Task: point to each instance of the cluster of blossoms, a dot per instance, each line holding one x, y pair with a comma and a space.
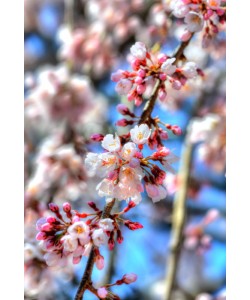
68, 237
55, 95
195, 236
124, 167
60, 172
147, 69
199, 14
81, 48
159, 130
211, 131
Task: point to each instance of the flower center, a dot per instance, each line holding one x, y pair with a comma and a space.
139, 136
79, 230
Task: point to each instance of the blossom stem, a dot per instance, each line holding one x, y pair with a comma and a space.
149, 106
86, 278
179, 53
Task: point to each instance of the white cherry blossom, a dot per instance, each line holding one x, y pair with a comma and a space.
189, 69
111, 143
105, 188
156, 192
79, 230
138, 50
123, 86
99, 237
194, 21
128, 151
107, 162
140, 134
106, 224
69, 243
168, 67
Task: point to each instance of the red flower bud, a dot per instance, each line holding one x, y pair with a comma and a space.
97, 137
53, 207
133, 225
66, 207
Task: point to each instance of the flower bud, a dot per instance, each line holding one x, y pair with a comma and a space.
129, 278
176, 130
99, 261
102, 293
53, 207
66, 207
162, 58
97, 137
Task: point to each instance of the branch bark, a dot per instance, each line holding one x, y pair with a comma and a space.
179, 217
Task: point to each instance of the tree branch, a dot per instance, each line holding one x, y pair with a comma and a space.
179, 217
86, 278
148, 108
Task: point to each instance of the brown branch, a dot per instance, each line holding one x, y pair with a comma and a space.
86, 278
149, 106
179, 53
179, 217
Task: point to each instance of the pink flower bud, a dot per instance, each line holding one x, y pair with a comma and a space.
111, 244
141, 89
41, 236
40, 222
129, 278
46, 227
123, 109
116, 76
186, 35
141, 73
162, 151
176, 130
99, 261
66, 207
93, 206
138, 80
102, 292
208, 14
131, 95
133, 225
176, 85
53, 207
75, 219
211, 216
124, 122
134, 162
130, 205
97, 137
138, 154
164, 135
119, 236
51, 220
76, 260
163, 76
113, 175
162, 58
49, 244
138, 100
135, 64
162, 94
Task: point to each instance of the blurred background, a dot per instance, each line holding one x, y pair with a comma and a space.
71, 48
